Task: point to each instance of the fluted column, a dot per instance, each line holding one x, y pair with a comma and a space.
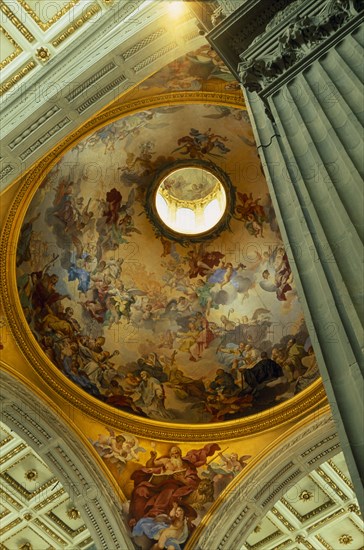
302, 80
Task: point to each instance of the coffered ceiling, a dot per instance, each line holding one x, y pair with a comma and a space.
55, 75
36, 511
33, 32
318, 513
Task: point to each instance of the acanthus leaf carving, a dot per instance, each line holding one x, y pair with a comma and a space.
298, 39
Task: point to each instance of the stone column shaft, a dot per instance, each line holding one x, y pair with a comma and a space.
312, 154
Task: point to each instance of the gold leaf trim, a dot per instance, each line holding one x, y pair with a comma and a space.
45, 26
78, 23
325, 520
13, 54
66, 528
5, 496
16, 22
12, 453
49, 531
49, 499
21, 489
10, 526
341, 474
18, 76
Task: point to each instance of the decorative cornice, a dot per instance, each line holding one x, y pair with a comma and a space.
295, 41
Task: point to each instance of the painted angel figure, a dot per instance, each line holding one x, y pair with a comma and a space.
118, 449
223, 471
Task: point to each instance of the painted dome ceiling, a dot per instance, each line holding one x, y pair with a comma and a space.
167, 329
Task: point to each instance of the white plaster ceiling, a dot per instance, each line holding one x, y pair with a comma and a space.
36, 510
63, 61
318, 513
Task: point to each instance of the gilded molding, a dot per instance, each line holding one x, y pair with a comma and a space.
340, 474
5, 441
49, 499
45, 26
263, 542
49, 532
310, 400
4, 513
331, 484
305, 542
14, 54
72, 532
282, 519
12, 453
16, 77
16, 22
21, 489
10, 526
356, 526
5, 496
77, 24
324, 543
309, 515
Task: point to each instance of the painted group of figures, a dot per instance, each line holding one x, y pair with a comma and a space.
141, 388
90, 269
199, 281
171, 492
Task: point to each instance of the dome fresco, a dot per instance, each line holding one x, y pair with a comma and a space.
172, 331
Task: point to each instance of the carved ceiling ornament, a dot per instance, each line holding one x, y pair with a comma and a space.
297, 39
73, 513
345, 539
43, 54
36, 421
305, 496
31, 475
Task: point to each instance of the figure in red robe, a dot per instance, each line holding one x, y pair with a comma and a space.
166, 480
